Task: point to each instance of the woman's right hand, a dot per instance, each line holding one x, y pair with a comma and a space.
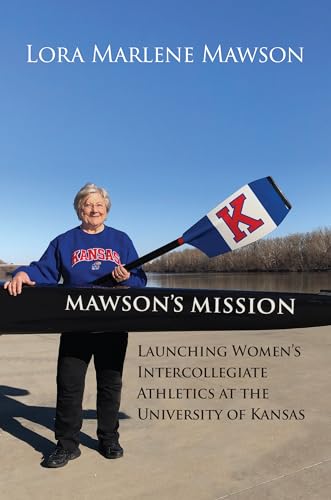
14, 286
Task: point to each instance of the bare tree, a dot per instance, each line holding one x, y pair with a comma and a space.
296, 252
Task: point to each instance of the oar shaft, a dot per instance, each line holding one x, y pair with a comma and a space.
153, 255
145, 258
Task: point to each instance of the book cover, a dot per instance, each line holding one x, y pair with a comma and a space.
171, 106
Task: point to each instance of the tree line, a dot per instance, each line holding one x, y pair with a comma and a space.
5, 270
297, 252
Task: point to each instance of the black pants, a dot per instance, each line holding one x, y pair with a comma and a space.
75, 353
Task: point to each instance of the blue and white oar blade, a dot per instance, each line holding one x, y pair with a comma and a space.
249, 214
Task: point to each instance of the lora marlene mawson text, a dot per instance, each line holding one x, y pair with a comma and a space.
218, 54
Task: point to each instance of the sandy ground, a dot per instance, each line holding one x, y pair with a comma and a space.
175, 459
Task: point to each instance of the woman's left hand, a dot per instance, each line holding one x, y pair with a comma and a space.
120, 274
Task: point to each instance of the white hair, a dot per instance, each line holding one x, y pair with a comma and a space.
85, 191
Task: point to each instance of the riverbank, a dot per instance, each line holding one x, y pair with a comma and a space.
6, 270
295, 252
179, 456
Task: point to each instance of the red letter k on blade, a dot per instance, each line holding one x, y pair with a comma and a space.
237, 216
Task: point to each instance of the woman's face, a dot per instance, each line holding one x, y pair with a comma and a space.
93, 211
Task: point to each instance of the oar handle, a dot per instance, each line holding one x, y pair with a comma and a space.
142, 260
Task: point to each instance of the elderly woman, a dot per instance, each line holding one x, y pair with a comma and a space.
80, 256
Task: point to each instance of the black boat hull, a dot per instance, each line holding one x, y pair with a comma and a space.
57, 309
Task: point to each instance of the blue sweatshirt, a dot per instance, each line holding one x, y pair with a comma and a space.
80, 258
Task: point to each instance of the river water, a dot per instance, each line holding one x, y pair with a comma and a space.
282, 282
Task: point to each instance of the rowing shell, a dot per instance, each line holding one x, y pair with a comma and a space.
54, 309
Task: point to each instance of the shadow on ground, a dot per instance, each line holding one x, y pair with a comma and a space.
11, 409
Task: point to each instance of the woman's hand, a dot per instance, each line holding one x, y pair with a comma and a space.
15, 285
120, 274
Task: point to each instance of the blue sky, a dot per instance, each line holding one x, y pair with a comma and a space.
169, 141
